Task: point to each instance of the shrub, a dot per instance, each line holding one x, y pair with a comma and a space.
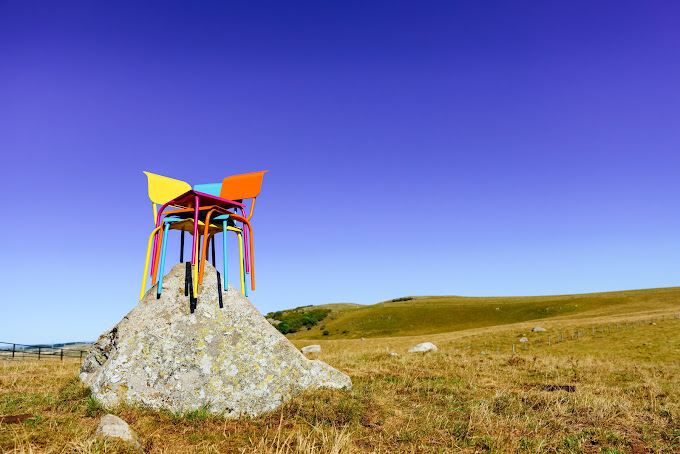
295, 319
406, 298
326, 333
283, 327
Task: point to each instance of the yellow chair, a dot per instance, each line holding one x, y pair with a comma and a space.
163, 189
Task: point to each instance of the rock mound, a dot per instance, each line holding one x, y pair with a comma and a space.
229, 360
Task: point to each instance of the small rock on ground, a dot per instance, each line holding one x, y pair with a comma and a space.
523, 339
539, 329
394, 354
311, 349
112, 426
424, 347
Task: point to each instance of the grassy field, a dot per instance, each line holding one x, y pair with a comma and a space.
614, 388
440, 314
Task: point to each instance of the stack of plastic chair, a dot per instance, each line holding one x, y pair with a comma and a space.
163, 189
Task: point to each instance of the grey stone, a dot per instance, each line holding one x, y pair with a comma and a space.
228, 360
394, 354
311, 349
424, 347
273, 321
112, 427
539, 329
523, 339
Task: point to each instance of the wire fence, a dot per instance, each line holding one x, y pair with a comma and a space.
578, 333
9, 351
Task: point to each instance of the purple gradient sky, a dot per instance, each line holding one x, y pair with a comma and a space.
469, 148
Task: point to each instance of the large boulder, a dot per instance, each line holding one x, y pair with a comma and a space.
229, 360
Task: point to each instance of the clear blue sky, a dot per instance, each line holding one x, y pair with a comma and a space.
468, 148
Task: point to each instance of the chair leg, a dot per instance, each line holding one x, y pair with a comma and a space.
212, 244
187, 279
219, 288
157, 256
192, 298
181, 248
240, 255
224, 253
196, 266
146, 262
245, 283
161, 267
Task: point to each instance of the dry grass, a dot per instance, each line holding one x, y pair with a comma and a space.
626, 398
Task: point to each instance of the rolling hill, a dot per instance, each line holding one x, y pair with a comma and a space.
420, 315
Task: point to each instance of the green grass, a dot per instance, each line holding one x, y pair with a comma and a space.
439, 314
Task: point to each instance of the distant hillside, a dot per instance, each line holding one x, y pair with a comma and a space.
419, 315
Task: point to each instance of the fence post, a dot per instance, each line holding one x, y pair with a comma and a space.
62, 353
14, 347
548, 340
498, 350
38, 353
81, 354
513, 349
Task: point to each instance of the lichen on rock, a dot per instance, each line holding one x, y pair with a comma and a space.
229, 360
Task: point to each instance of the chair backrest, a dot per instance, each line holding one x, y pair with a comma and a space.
243, 186
163, 189
209, 188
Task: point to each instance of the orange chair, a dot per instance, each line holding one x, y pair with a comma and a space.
243, 186
237, 188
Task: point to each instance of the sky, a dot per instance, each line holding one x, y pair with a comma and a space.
495, 148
